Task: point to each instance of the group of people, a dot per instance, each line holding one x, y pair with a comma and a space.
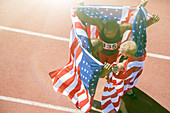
110, 32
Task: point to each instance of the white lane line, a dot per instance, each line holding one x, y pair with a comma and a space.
158, 56
33, 103
66, 39
33, 33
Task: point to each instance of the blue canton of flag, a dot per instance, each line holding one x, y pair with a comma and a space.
85, 42
90, 71
102, 13
139, 32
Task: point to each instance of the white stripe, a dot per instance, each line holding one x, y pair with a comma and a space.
33, 103
63, 79
135, 64
108, 108
72, 86
104, 101
34, 33
158, 56
72, 37
81, 32
105, 93
66, 39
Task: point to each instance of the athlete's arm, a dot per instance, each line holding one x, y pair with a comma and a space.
155, 18
93, 21
124, 27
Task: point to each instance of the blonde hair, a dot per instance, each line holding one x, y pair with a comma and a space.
130, 47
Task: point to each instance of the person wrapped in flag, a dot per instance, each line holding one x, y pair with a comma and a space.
119, 83
113, 26
110, 26
78, 79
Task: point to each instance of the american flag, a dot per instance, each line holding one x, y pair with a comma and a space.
118, 84
78, 79
122, 14
139, 32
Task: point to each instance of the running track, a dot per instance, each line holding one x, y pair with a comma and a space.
34, 38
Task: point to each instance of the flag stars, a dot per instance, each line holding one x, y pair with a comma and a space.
84, 70
111, 13
116, 10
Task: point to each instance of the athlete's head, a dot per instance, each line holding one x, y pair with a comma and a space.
128, 48
111, 28
96, 45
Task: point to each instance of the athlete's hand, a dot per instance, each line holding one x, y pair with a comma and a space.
106, 70
143, 3
155, 18
80, 3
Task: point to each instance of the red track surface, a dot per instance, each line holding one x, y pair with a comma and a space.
26, 60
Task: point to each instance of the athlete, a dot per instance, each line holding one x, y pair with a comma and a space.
110, 33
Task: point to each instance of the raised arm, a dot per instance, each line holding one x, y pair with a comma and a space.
85, 18
155, 18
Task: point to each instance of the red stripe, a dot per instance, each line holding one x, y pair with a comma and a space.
112, 96
127, 73
66, 84
88, 31
76, 89
127, 81
131, 59
79, 25
78, 52
116, 104
119, 90
112, 111
74, 14
54, 73
106, 104
82, 92
73, 46
63, 72
139, 73
108, 89
85, 101
97, 33
128, 17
